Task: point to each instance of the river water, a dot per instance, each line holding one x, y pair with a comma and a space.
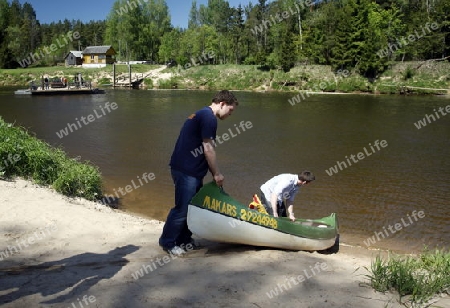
387, 180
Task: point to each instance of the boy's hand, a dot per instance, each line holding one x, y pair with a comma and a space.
292, 217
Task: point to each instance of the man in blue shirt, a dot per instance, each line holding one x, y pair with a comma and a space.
191, 159
280, 191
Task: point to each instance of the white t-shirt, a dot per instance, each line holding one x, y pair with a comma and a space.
285, 186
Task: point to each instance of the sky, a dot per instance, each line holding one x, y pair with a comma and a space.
87, 10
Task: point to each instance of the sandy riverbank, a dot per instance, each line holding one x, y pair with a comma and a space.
75, 253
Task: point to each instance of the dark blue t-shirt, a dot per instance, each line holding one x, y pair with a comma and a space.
188, 156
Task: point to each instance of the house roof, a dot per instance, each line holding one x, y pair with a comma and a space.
96, 49
76, 53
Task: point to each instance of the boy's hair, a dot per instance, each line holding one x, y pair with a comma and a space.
307, 176
225, 96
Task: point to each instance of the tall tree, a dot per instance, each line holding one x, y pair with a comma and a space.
155, 23
30, 28
119, 29
262, 17
250, 35
137, 28
4, 22
170, 46
216, 13
281, 34
442, 18
194, 18
236, 29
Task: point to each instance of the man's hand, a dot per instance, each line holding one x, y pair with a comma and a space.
291, 216
218, 178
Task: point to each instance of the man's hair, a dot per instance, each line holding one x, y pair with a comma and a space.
307, 176
225, 96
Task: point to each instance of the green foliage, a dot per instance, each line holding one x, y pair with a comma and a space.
25, 156
148, 83
420, 277
78, 179
171, 83
359, 35
136, 30
104, 80
170, 46
354, 84
409, 73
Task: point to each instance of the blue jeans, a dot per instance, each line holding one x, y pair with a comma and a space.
176, 231
281, 206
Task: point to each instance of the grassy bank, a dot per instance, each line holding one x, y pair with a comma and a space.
402, 78
25, 156
418, 280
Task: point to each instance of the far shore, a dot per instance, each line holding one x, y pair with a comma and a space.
429, 79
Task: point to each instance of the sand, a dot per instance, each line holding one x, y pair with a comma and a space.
61, 252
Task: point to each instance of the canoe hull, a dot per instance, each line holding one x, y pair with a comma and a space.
216, 216
219, 228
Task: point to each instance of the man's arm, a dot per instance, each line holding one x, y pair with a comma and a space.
210, 155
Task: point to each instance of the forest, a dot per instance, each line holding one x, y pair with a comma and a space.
359, 35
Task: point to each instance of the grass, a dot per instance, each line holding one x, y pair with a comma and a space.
419, 278
25, 156
401, 76
171, 83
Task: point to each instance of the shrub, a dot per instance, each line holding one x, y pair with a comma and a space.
23, 155
422, 277
104, 81
408, 73
171, 83
148, 83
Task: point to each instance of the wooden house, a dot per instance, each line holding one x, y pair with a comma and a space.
74, 57
98, 56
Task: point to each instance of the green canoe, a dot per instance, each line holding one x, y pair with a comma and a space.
216, 216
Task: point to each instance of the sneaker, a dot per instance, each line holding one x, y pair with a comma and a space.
175, 250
